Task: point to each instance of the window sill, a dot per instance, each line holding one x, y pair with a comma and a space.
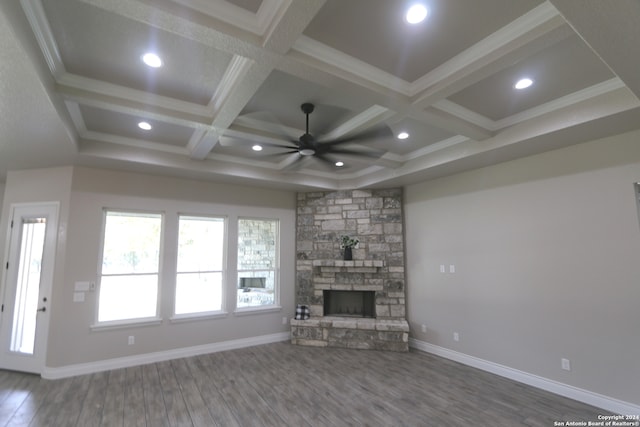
247, 311
194, 317
122, 324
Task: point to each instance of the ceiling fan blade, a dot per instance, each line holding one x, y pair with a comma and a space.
296, 164
376, 133
270, 144
282, 153
324, 159
247, 140
370, 153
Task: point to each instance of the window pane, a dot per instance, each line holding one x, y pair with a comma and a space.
128, 297
131, 243
198, 292
257, 244
200, 244
130, 266
257, 262
23, 332
256, 288
200, 260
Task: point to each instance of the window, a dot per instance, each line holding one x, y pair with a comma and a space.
130, 266
257, 262
200, 260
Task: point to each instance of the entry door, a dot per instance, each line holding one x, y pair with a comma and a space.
26, 293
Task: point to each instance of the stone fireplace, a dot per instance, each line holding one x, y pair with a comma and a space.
358, 303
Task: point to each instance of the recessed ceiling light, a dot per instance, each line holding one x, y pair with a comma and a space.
144, 126
339, 164
257, 147
152, 60
416, 14
523, 83
403, 135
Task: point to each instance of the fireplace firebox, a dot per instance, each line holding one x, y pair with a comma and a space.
349, 303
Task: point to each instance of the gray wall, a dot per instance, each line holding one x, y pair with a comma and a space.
84, 193
546, 252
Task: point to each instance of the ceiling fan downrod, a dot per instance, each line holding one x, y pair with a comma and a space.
306, 140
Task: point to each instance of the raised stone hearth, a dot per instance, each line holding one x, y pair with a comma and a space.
370, 288
364, 333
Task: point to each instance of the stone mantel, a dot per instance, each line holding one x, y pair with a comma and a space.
353, 266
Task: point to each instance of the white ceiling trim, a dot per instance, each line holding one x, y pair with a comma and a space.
233, 77
133, 142
369, 117
604, 105
465, 114
260, 126
536, 21
76, 116
260, 23
202, 142
227, 12
40, 26
210, 167
269, 15
548, 107
359, 70
432, 148
594, 91
68, 84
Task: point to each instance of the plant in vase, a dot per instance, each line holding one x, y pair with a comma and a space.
347, 244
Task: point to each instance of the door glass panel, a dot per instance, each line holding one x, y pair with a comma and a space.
23, 332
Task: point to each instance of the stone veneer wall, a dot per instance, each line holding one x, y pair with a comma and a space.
375, 218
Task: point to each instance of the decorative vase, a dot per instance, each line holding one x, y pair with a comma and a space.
348, 256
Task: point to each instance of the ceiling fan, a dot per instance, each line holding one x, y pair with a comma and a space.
307, 146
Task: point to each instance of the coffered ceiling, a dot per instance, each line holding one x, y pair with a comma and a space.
235, 73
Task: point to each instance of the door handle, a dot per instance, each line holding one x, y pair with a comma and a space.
43, 309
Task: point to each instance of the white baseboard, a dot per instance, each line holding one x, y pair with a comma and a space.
52, 373
598, 400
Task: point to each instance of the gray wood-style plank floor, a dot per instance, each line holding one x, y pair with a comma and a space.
285, 385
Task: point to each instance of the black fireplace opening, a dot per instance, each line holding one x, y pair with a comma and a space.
350, 303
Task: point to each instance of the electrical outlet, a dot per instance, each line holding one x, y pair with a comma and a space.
565, 364
442, 268
424, 329
452, 268
456, 336
131, 340
284, 320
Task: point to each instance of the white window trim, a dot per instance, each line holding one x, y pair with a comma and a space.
192, 317
258, 309
128, 323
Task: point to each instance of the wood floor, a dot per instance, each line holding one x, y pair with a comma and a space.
285, 385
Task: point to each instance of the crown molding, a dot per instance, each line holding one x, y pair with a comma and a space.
34, 12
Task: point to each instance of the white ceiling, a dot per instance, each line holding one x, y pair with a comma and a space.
73, 87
